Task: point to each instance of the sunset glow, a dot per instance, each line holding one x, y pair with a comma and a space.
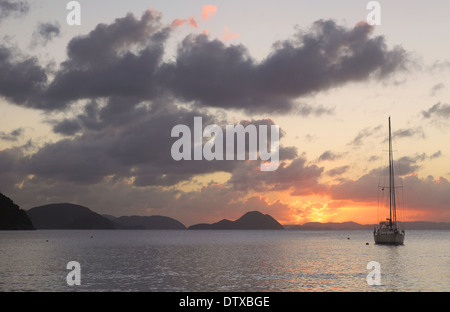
87, 110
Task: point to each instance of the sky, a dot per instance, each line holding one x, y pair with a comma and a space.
86, 111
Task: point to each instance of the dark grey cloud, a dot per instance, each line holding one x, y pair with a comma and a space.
107, 43
125, 59
13, 8
214, 74
129, 140
45, 32
67, 127
121, 134
140, 150
296, 176
11, 171
22, 79
119, 59
115, 60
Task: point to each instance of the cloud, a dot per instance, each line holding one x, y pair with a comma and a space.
435, 155
429, 194
329, 155
13, 8
116, 59
11, 171
179, 22
129, 140
66, 127
409, 132
419, 193
21, 78
134, 142
128, 97
229, 35
209, 11
438, 66
337, 171
108, 43
125, 59
45, 33
438, 110
306, 110
12, 136
295, 176
436, 88
363, 134
213, 74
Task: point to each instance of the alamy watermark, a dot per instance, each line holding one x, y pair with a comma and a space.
258, 143
74, 276
74, 16
374, 16
374, 276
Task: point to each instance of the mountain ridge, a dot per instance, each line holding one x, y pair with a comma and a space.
351, 225
73, 216
68, 216
252, 220
154, 222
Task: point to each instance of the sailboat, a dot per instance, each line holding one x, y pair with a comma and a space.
388, 232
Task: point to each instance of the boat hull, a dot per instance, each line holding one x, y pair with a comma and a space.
390, 238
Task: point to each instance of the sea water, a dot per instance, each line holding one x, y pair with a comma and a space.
213, 260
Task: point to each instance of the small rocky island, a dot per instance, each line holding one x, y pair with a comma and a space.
253, 220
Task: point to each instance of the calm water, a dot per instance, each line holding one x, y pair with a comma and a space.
221, 261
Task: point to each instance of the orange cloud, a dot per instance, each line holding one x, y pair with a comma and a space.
179, 22
229, 35
209, 11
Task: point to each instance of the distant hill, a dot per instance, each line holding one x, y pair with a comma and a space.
253, 220
12, 217
71, 216
150, 223
317, 226
68, 216
425, 225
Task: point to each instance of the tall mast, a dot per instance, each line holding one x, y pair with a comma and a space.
392, 210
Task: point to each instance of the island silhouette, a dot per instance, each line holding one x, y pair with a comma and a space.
12, 217
72, 216
253, 220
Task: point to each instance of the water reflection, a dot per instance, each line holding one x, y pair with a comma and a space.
220, 261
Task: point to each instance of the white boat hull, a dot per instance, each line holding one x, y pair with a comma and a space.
389, 238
